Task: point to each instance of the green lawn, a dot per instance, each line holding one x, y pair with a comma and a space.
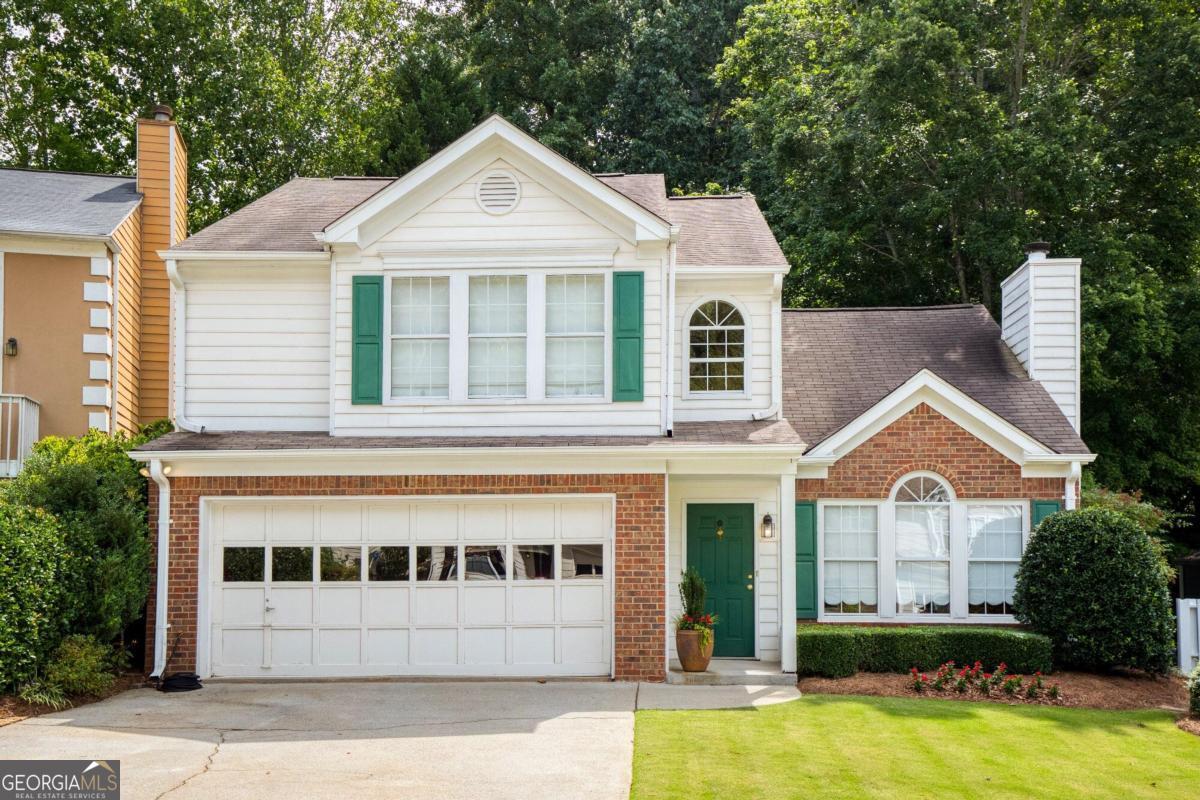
856, 747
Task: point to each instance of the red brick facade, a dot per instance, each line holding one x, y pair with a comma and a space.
641, 608
923, 439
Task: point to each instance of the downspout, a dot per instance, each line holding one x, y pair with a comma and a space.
178, 342
773, 411
1071, 485
669, 356
160, 597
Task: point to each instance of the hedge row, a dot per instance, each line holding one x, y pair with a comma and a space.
837, 651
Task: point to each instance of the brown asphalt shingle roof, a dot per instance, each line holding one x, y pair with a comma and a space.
687, 433
649, 190
839, 362
723, 231
286, 218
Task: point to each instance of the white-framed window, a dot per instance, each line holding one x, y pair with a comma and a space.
994, 546
850, 535
575, 335
497, 329
716, 357
922, 508
420, 337
933, 556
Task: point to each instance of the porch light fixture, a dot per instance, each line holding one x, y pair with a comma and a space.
720, 529
10, 346
768, 527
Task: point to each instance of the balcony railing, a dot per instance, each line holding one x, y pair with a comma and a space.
18, 431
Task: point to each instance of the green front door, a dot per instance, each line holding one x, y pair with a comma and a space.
720, 545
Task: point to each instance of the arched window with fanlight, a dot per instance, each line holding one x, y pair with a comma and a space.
922, 545
716, 336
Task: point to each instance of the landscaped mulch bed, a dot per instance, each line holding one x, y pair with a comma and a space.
14, 709
1117, 692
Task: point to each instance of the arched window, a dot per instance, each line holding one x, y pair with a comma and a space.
922, 545
716, 348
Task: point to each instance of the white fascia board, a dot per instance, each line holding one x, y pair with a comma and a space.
927, 387
755, 460
494, 130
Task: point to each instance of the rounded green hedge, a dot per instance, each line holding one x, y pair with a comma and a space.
838, 651
33, 599
1096, 584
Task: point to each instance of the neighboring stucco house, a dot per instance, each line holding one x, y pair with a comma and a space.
84, 316
477, 419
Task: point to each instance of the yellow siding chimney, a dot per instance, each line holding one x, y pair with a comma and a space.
162, 180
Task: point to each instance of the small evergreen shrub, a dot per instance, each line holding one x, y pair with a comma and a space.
81, 665
33, 598
837, 651
1194, 692
1096, 584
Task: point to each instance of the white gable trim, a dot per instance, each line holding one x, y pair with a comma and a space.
926, 387
495, 134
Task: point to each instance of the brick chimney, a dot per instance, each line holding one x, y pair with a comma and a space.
162, 180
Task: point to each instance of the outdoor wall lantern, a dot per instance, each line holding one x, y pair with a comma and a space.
720, 529
10, 346
768, 527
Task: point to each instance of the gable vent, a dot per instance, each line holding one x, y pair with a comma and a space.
498, 192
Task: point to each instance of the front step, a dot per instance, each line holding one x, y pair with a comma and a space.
732, 672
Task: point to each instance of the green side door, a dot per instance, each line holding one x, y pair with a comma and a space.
726, 562
806, 560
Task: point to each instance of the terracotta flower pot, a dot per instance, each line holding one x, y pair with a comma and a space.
691, 656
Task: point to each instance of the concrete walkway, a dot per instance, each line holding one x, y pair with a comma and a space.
367, 740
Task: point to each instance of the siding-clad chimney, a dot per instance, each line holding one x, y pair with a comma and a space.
162, 180
1040, 321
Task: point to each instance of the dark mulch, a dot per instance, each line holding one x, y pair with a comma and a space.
14, 709
1118, 691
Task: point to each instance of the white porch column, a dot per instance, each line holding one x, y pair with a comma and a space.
787, 572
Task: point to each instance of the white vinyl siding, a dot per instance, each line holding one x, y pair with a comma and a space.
256, 351
542, 218
752, 294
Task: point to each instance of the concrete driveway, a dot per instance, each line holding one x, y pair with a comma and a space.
361, 740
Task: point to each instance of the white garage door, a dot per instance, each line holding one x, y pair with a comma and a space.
404, 587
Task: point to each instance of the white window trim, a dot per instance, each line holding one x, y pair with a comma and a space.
535, 340
952, 547
886, 555
685, 325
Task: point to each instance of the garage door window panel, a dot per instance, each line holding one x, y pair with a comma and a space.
386, 563
533, 562
484, 563
244, 564
341, 564
438, 563
292, 564
582, 561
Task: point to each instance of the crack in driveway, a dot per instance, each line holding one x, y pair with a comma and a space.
208, 762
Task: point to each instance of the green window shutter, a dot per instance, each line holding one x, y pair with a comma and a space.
806, 560
366, 355
1043, 509
628, 336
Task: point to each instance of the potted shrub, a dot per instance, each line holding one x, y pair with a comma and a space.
694, 628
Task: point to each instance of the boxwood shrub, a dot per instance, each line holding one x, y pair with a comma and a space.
837, 651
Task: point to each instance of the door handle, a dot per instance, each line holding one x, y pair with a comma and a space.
750, 586
750, 576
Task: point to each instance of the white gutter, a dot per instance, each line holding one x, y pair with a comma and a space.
160, 602
669, 357
178, 323
244, 255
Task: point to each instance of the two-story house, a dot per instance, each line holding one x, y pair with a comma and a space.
477, 419
84, 295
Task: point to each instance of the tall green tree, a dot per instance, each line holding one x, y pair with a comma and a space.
905, 149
